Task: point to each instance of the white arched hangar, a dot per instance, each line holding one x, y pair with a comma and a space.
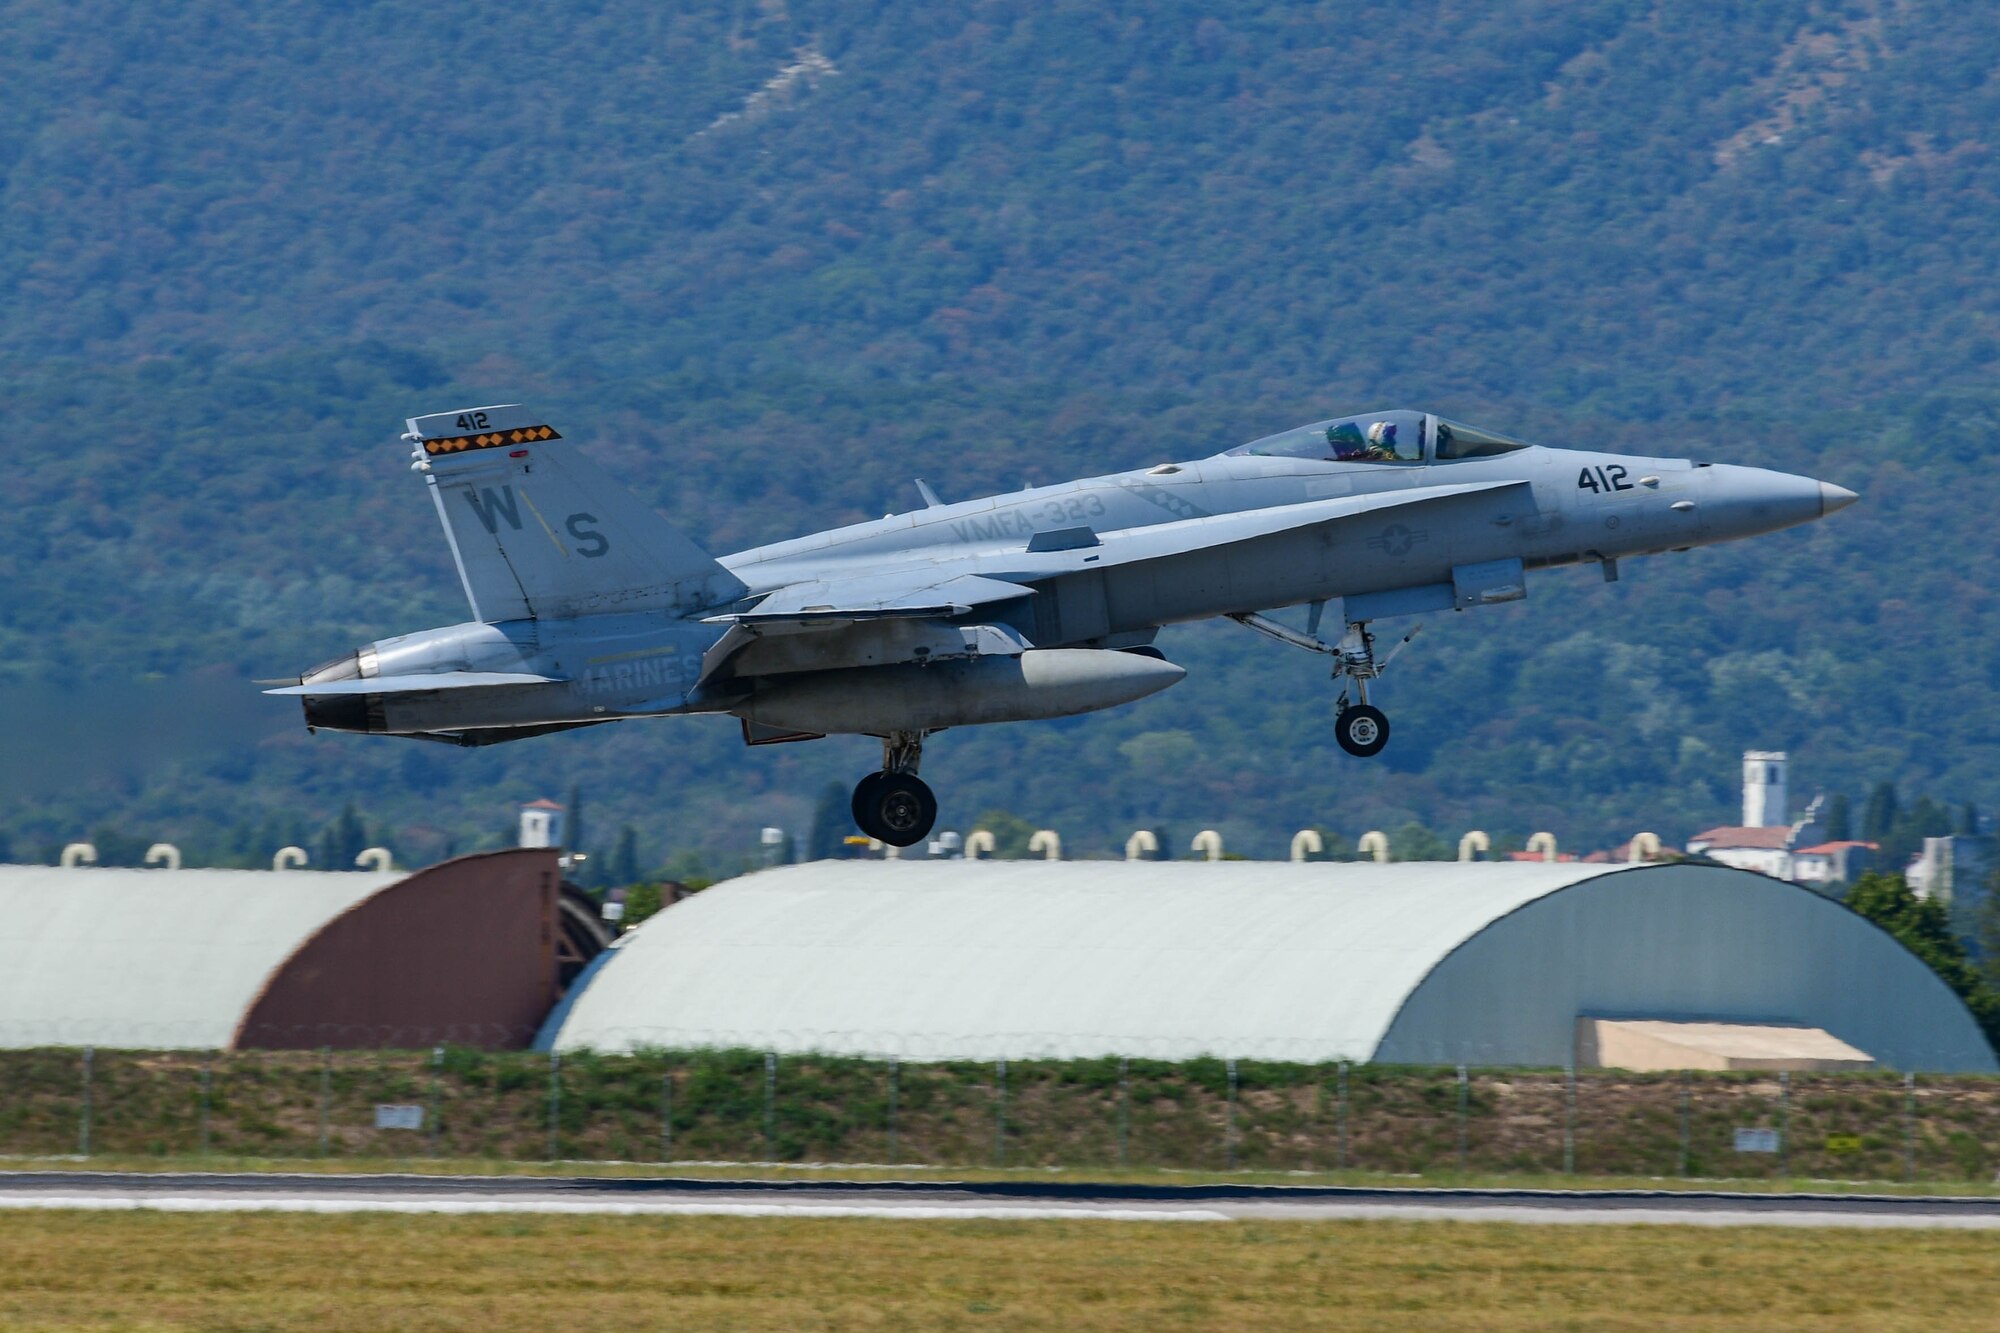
1653, 966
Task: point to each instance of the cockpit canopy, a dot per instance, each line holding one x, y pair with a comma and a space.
1397, 436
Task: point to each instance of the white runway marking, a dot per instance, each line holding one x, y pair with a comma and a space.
169, 1203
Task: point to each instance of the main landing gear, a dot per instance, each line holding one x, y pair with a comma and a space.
1360, 728
895, 805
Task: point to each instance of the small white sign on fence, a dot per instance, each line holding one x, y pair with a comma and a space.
399, 1117
1756, 1140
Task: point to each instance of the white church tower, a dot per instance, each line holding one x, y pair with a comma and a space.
1764, 789
542, 824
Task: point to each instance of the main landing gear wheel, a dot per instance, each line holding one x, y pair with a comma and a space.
894, 805
896, 808
1362, 730
864, 800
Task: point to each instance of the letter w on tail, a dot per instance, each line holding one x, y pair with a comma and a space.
492, 506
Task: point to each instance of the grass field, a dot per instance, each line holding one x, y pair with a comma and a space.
241, 1272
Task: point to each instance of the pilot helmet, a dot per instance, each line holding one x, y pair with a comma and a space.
1382, 432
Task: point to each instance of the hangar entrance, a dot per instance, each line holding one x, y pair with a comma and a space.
1644, 1045
581, 935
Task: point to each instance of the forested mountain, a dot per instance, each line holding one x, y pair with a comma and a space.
772, 260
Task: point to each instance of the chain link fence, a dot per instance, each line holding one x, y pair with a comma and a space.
1208, 1114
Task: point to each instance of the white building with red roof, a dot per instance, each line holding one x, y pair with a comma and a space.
1765, 850
1826, 864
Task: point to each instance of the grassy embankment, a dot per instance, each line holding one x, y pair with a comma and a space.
162, 1272
1511, 1126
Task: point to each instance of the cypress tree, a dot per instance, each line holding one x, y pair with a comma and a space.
832, 818
624, 866
573, 836
1878, 817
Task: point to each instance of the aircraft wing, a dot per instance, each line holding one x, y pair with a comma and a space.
862, 603
440, 680
915, 594
1133, 545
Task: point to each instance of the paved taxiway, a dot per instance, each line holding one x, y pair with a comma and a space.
928, 1199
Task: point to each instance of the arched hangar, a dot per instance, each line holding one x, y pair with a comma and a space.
1485, 964
471, 951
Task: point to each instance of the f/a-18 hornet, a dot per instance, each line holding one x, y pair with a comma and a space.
589, 608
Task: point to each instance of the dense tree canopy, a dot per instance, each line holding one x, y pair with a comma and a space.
772, 260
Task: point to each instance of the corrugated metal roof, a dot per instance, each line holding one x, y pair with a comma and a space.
152, 958
969, 959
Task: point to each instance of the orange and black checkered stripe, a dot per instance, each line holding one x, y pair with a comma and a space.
458, 444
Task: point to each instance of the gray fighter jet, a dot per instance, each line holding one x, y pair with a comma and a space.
589, 608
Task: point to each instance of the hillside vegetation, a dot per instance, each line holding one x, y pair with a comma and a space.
771, 261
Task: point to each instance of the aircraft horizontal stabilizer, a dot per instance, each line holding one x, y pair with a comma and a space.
437, 680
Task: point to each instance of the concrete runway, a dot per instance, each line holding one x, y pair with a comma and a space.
1003, 1200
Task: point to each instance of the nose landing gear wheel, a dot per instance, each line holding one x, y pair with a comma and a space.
1362, 730
896, 808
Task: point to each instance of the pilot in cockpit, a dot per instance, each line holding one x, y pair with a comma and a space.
1381, 441
1344, 438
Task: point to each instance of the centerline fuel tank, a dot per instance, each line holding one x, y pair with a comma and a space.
961, 692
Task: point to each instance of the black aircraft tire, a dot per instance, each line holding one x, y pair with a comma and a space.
864, 798
895, 808
1362, 730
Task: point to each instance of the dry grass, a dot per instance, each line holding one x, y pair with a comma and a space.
243, 1272
1082, 1115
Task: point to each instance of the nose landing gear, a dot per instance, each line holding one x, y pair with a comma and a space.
895, 806
1360, 728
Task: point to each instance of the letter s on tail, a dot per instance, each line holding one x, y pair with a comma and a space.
537, 530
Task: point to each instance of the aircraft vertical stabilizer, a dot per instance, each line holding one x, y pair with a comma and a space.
537, 530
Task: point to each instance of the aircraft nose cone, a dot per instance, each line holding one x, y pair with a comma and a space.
1832, 497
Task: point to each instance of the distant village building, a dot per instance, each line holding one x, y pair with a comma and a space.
1766, 850
1949, 868
542, 824
1764, 789
1826, 864
1770, 842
